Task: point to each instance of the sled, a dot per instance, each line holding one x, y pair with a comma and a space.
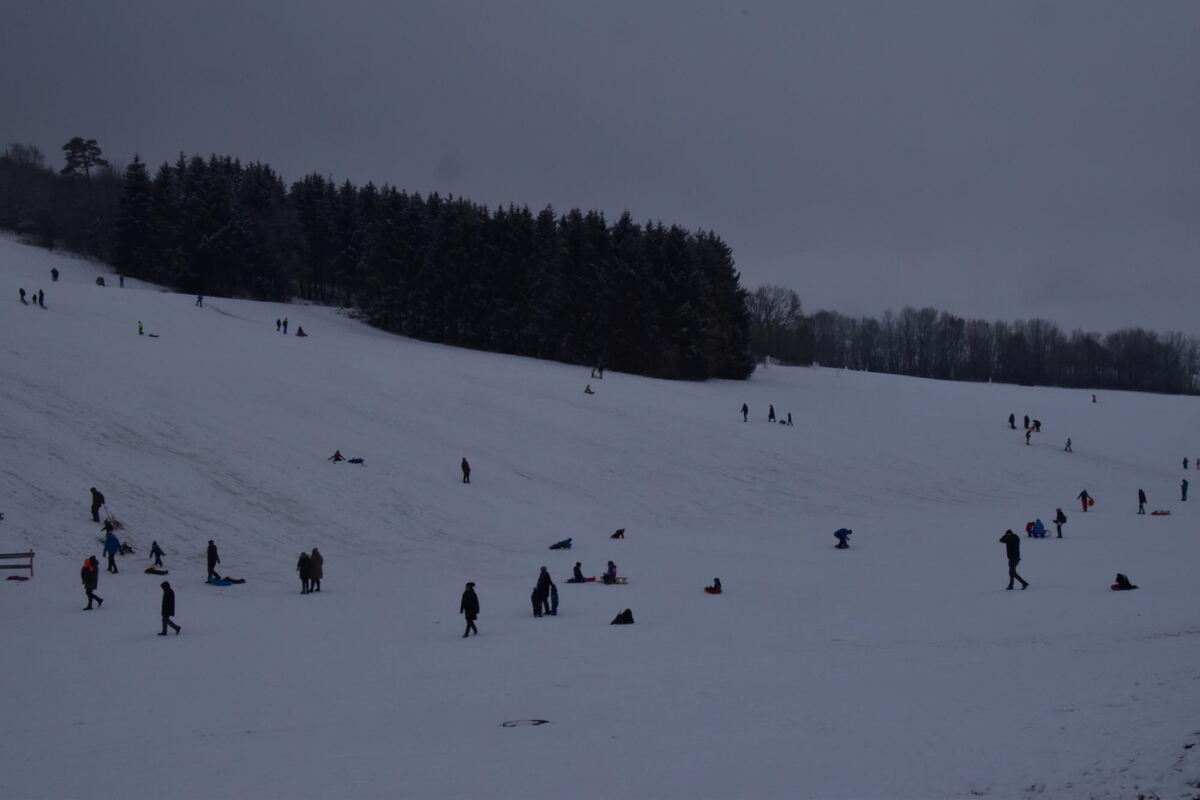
585, 580
1091, 502
620, 580
355, 461
116, 523
152, 335
17, 578
712, 590
1159, 513
1116, 587
225, 581
155, 571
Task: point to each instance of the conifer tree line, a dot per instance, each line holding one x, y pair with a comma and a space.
650, 299
929, 343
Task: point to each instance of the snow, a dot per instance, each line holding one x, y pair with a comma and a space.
900, 668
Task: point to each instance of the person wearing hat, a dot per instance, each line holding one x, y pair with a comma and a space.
168, 609
469, 608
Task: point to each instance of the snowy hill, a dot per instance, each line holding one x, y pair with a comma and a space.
899, 668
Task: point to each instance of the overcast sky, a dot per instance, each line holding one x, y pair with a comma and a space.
1004, 160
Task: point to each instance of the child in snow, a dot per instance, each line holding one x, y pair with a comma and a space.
565, 544
842, 535
610, 574
715, 588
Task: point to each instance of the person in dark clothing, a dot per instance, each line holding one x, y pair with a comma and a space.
1084, 498
1068, 447
771, 413
41, 296
278, 324
466, 470
336, 457
1037, 426
1059, 519
565, 544
1026, 422
842, 535
304, 567
1123, 584
469, 608
316, 566
54, 273
715, 588
21, 292
1028, 433
168, 609
156, 553
1185, 463
577, 573
1183, 490
745, 412
1141, 501
112, 546
213, 560
553, 600
200, 300
97, 502
544, 585
89, 574
789, 422
1012, 543
624, 618
619, 533
1012, 421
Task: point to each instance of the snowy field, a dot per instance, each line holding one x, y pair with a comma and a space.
900, 668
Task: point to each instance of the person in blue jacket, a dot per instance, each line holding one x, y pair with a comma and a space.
1039, 530
565, 544
842, 535
112, 546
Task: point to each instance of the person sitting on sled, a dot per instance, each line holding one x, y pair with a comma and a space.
610, 574
577, 574
715, 588
565, 544
336, 457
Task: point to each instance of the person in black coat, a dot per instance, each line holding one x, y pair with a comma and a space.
97, 502
771, 413
469, 608
1012, 544
304, 567
1012, 421
89, 575
168, 609
1141, 501
1059, 519
745, 412
213, 560
466, 470
544, 584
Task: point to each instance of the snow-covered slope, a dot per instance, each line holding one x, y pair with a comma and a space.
898, 668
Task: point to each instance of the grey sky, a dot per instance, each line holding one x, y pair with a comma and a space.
996, 159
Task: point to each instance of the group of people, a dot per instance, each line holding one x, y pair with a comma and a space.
38, 298
770, 415
311, 567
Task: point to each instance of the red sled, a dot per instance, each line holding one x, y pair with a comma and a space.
711, 590
1159, 513
1091, 502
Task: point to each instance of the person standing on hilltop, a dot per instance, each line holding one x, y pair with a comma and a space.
1141, 501
1012, 544
466, 470
745, 412
97, 502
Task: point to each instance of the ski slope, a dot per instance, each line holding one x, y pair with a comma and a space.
900, 668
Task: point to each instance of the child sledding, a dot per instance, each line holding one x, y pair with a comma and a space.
577, 575
565, 544
1123, 584
610, 575
715, 588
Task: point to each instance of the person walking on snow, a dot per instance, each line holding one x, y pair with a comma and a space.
213, 560
745, 412
141, 330
790, 418
1026, 422
1185, 462
156, 553
1183, 490
97, 502
22, 294
1028, 432
168, 609
1141, 501
1012, 544
200, 300
54, 273
1059, 519
112, 546
1068, 447
466, 470
316, 570
1012, 421
278, 324
89, 574
41, 301
469, 608
771, 413
1084, 499
285, 326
